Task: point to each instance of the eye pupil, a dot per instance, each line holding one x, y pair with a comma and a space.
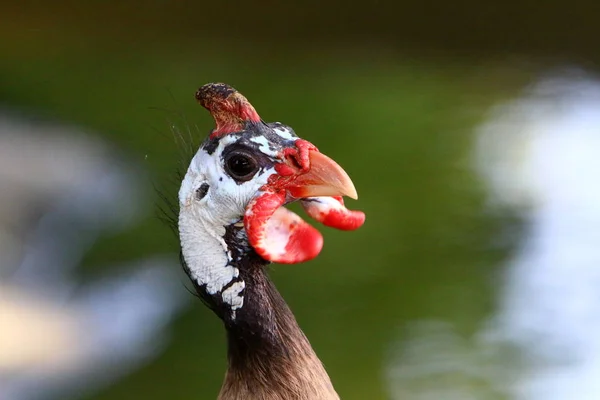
241, 166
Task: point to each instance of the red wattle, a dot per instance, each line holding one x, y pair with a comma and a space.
258, 212
347, 220
330, 211
279, 235
305, 243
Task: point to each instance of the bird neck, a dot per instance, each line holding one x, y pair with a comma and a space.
269, 355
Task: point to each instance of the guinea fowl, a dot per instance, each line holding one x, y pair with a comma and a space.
232, 224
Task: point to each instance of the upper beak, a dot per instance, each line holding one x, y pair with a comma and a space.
324, 178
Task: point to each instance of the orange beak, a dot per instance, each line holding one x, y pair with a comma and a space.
324, 178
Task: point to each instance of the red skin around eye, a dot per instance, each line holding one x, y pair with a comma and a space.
300, 157
284, 170
300, 153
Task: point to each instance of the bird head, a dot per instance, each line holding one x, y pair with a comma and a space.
238, 183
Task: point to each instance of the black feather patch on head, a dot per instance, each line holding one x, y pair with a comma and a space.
201, 191
211, 144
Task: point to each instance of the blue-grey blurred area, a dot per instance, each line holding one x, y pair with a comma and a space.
470, 129
62, 189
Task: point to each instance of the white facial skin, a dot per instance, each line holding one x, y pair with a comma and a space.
226, 200
202, 221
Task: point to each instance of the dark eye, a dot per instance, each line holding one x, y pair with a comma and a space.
241, 166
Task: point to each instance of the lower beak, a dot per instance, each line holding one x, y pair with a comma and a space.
324, 178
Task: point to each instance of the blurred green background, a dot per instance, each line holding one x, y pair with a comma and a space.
391, 90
